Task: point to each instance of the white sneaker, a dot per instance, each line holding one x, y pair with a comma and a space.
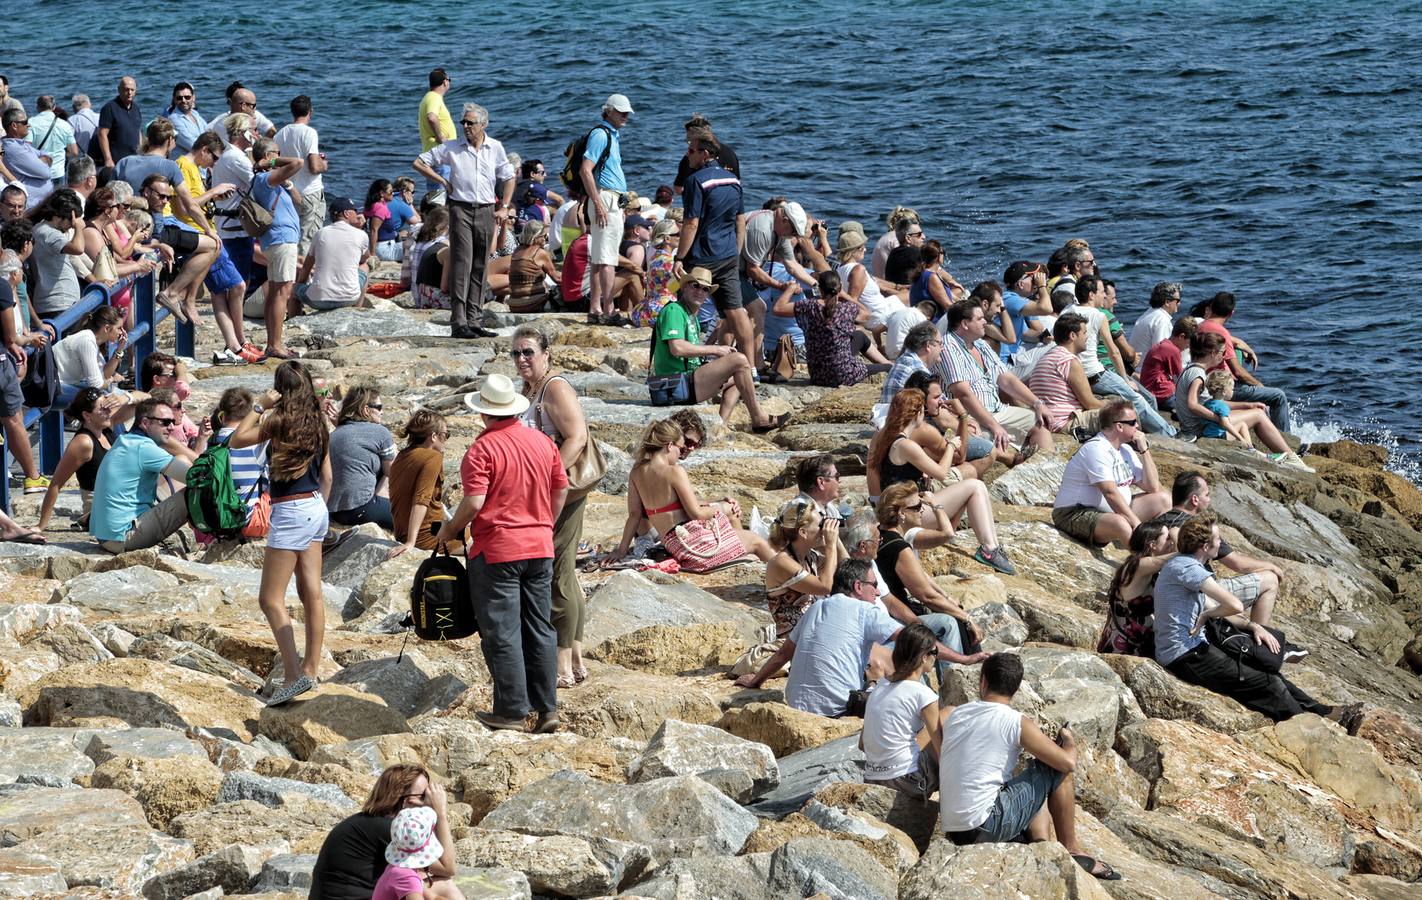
227, 358
1291, 459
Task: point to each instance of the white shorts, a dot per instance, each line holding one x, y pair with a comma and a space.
603, 243
1016, 421
297, 523
281, 263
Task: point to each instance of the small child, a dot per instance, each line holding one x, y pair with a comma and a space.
413, 846
1220, 384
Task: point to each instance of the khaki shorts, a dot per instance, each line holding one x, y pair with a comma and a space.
1017, 420
1085, 419
281, 263
604, 242
1078, 521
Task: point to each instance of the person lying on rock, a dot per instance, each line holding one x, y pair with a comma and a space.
830, 645
980, 801
1186, 595
352, 857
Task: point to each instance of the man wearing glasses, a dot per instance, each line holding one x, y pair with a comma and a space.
1095, 503
126, 513
479, 187
25, 163
190, 250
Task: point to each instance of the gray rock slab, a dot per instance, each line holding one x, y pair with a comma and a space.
724, 877
270, 791
22, 622
27, 872
803, 773
134, 589
408, 683
1034, 483
286, 872
49, 757
811, 866
231, 870
681, 748
144, 743
632, 600
493, 883
342, 323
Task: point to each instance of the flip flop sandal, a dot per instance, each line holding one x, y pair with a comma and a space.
566, 681
580, 674
777, 422
1089, 864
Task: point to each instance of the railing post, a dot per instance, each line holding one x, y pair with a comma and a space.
143, 314
5, 459
51, 440
185, 339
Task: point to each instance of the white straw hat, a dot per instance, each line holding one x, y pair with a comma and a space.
497, 397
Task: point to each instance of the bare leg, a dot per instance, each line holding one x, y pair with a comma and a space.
739, 323
756, 310
756, 544
565, 662
19, 441
277, 566
1258, 419
1061, 804
223, 306
603, 278
278, 300
1040, 437
973, 496
308, 588
873, 353
1263, 609
712, 375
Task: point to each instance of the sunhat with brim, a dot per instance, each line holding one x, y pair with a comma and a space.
497, 397
413, 844
702, 276
851, 225
849, 241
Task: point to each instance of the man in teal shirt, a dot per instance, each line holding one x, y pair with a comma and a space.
604, 184
124, 515
696, 371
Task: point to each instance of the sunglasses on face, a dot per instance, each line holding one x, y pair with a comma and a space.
376, 406
525, 353
915, 508
166, 423
1131, 422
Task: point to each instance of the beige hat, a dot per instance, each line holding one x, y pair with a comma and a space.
851, 225
702, 276
497, 398
849, 241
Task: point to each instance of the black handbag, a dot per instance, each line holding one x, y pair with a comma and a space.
440, 606
1240, 645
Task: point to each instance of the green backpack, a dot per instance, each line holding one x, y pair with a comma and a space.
214, 505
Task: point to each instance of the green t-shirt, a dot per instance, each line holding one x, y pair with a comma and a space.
1115, 325
674, 323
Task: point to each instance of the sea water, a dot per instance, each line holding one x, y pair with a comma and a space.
1268, 149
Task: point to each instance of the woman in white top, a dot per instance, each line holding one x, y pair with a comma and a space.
903, 728
80, 360
867, 290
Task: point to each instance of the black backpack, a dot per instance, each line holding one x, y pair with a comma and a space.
40, 385
573, 161
440, 606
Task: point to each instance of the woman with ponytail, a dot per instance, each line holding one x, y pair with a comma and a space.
1130, 603
417, 483
833, 338
898, 710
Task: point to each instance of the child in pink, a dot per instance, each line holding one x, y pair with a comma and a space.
413, 846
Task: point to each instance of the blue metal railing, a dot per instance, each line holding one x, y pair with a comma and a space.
146, 316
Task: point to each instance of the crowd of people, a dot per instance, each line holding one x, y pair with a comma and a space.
236, 208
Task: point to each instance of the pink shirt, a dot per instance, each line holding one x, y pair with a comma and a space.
1049, 382
1208, 327
397, 882
517, 470
1161, 366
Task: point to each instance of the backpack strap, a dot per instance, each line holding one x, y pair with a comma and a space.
606, 151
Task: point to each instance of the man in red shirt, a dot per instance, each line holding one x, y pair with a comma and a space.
1247, 388
1164, 362
514, 488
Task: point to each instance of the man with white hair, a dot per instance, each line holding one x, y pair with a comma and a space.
83, 119
81, 176
479, 188
605, 185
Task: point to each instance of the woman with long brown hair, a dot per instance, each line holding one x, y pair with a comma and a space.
362, 450
289, 416
417, 483
352, 857
1130, 601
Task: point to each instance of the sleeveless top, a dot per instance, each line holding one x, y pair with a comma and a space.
429, 269
786, 604
893, 473
534, 418
89, 471
307, 482
1130, 625
871, 298
919, 292
526, 290
887, 562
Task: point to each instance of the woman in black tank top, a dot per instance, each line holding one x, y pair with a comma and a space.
98, 414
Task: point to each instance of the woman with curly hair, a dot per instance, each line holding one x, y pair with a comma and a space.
289, 416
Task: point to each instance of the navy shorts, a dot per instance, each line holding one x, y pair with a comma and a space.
223, 275
239, 250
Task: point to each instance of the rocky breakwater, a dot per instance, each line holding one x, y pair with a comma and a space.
136, 758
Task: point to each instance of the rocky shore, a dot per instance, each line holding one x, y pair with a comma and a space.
136, 759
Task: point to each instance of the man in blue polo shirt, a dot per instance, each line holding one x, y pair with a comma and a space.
605, 184
712, 233
1024, 296
126, 514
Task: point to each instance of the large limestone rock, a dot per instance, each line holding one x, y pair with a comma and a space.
148, 743
283, 778
744, 877
331, 714
23, 622
631, 600
673, 649
678, 816
1034, 483
679, 748
999, 872
804, 774
43, 756
29, 873
409, 682
231, 870
276, 791
133, 590
783, 729
508, 762
810, 866
894, 810
1163, 696
492, 884
621, 702
217, 826
373, 755
558, 864
346, 323
140, 692
117, 859
28, 812
1204, 777
166, 787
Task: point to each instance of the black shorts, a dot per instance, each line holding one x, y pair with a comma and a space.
182, 241
12, 399
726, 274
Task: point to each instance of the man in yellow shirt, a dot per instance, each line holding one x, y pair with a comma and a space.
436, 126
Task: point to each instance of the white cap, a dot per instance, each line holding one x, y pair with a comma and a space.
796, 214
618, 102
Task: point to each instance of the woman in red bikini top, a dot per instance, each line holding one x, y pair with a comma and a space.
699, 536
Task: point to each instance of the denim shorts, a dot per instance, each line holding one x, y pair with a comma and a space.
296, 524
1018, 801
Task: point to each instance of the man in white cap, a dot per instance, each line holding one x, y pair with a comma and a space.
605, 185
514, 488
771, 236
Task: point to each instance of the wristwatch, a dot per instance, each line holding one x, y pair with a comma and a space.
258, 408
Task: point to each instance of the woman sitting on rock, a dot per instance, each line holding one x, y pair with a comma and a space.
901, 708
1130, 606
894, 457
97, 414
700, 537
802, 569
417, 483
833, 338
352, 857
362, 449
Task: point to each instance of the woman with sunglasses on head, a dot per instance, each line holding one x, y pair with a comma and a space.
289, 416
529, 269
802, 569
97, 414
362, 450
554, 410
660, 281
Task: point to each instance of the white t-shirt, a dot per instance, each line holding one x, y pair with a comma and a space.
232, 167
297, 142
1095, 462
981, 743
1150, 329
897, 327
892, 721
338, 248
77, 359
1095, 325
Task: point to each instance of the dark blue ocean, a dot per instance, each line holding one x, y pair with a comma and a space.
1269, 149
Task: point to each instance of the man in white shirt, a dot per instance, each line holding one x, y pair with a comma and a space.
1154, 325
1094, 503
299, 141
818, 480
52, 137
1090, 298
979, 800
480, 187
333, 274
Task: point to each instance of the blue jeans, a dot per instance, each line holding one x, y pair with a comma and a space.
1276, 399
376, 510
1018, 801
1109, 384
945, 629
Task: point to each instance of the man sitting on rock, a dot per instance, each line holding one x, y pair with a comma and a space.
1060, 382
980, 801
124, 515
830, 645
1186, 595
975, 376
333, 275
817, 477
1094, 503
923, 345
1257, 584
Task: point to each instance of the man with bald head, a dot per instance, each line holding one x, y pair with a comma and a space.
120, 126
241, 100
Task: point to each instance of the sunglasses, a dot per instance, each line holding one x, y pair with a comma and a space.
916, 506
1131, 422
525, 353
692, 445
166, 423
376, 406
468, 124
